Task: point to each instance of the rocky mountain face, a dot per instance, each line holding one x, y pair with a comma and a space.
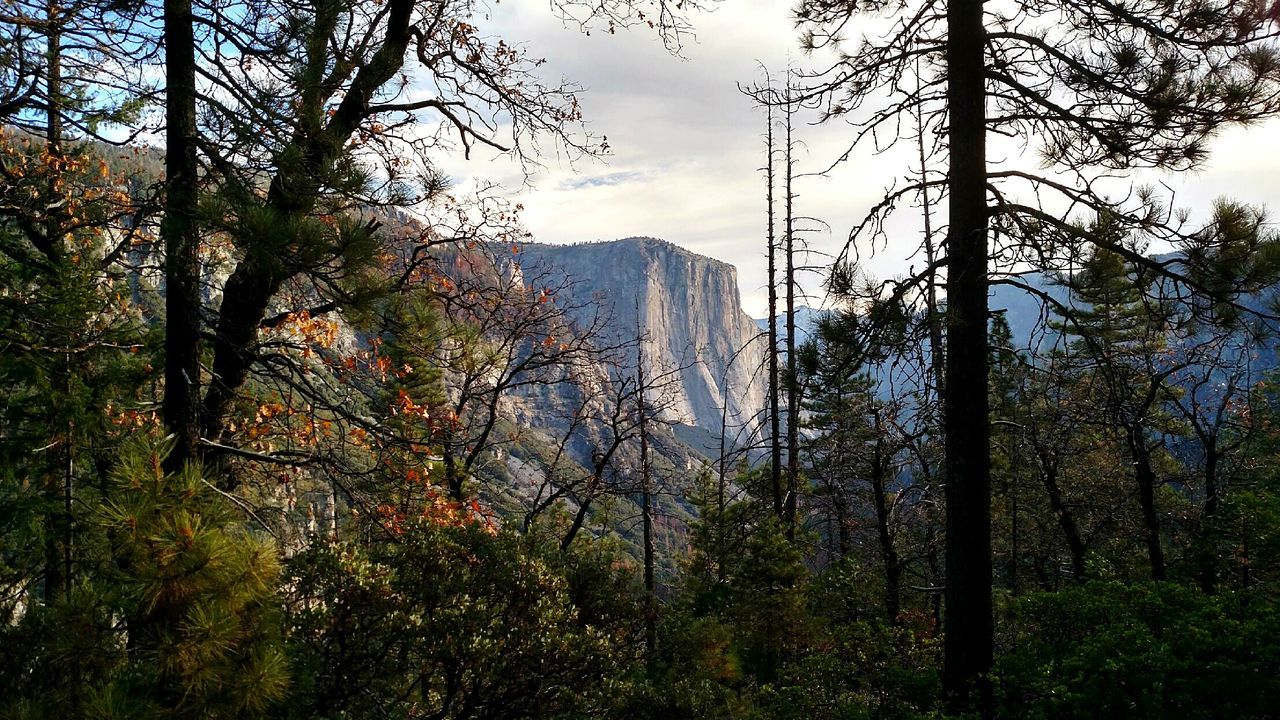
688, 309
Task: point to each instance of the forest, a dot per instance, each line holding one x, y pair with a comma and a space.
295, 425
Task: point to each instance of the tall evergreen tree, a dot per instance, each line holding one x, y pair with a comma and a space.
180, 232
856, 449
1098, 89
1120, 351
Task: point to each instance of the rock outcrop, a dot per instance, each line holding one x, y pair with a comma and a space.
688, 308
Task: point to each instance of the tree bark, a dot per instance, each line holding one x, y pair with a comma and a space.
936, 351
968, 643
452, 478
646, 509
888, 553
57, 579
1066, 521
793, 385
181, 238
1145, 476
775, 420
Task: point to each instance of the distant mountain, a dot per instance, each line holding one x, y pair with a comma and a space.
689, 309
807, 320
1029, 319
1026, 313
1030, 322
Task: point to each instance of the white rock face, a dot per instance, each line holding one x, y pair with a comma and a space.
689, 309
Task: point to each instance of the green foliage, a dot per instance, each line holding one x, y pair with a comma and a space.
753, 633
1152, 650
197, 592
70, 358
179, 620
859, 670
128, 592
456, 621
1236, 253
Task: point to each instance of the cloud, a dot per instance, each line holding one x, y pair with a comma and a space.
687, 146
608, 180
686, 143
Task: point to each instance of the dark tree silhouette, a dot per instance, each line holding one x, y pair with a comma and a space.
1097, 89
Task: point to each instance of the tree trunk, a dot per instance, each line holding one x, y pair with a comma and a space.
1013, 524
650, 586
294, 191
1066, 521
646, 504
888, 553
775, 420
968, 643
840, 515
452, 477
1146, 479
936, 364
1212, 500
793, 389
181, 238
584, 507
59, 487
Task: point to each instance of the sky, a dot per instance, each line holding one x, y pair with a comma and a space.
687, 146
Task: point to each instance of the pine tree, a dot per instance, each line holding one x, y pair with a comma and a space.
1093, 88
1120, 355
173, 614
197, 592
855, 448
1008, 370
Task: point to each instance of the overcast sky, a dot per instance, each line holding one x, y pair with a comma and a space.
687, 145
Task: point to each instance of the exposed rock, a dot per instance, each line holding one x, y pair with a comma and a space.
689, 309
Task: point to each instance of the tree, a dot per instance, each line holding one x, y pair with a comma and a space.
646, 500
180, 231
1052, 428
1007, 369
789, 278
61, 208
775, 417
857, 452
458, 620
1106, 649
1098, 88
331, 107
510, 329
174, 613
301, 115
608, 418
1123, 343
1218, 385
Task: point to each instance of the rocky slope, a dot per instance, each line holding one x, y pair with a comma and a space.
688, 308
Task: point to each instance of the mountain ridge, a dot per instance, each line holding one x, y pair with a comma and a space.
687, 306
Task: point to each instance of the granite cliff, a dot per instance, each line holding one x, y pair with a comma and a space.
688, 308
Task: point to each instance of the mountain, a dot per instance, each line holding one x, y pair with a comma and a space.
1030, 320
1031, 323
688, 308
807, 319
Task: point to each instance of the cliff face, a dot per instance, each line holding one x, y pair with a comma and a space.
689, 309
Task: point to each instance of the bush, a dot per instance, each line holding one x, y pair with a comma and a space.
455, 621
1153, 650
